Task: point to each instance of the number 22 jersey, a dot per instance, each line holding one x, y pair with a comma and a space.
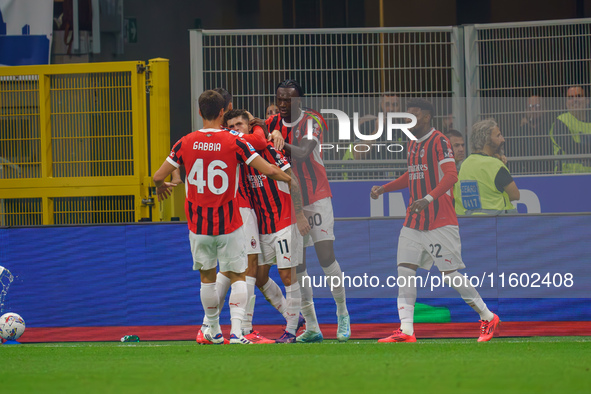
212, 158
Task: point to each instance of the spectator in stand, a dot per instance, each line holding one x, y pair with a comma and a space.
571, 132
271, 110
531, 139
457, 145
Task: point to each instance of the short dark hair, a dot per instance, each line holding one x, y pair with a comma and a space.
421, 103
234, 114
210, 104
453, 133
291, 83
226, 95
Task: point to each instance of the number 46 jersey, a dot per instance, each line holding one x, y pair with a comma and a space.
211, 158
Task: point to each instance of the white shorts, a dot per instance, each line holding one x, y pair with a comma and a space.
251, 230
441, 246
229, 249
283, 248
321, 220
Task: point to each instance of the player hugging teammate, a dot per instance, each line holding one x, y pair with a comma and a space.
243, 199
276, 212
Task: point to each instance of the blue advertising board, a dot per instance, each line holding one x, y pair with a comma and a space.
539, 194
141, 274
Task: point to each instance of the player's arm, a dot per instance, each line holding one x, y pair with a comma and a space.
163, 188
259, 127
256, 139
296, 197
302, 150
449, 179
399, 183
278, 140
176, 176
267, 169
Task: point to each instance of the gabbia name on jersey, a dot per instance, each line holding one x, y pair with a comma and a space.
211, 158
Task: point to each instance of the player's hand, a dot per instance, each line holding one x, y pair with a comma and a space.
303, 225
258, 122
418, 205
165, 190
278, 140
376, 191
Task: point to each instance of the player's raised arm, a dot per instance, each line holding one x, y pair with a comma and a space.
259, 127
269, 170
399, 183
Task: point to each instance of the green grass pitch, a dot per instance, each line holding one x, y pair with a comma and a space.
504, 365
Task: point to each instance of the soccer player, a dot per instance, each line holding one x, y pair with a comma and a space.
281, 242
430, 233
258, 140
306, 159
211, 158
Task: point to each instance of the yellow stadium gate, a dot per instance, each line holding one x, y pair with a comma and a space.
75, 146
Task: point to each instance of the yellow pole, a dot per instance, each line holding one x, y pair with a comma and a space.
140, 137
45, 142
160, 130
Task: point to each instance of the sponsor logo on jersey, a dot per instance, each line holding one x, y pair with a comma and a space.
256, 180
418, 167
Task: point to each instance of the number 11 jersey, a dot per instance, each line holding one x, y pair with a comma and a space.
211, 158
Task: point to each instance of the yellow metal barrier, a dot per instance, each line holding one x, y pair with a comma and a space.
74, 142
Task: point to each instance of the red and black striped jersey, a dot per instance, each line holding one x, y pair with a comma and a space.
271, 199
258, 141
425, 157
211, 158
310, 172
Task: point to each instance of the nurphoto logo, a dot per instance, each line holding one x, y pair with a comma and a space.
391, 124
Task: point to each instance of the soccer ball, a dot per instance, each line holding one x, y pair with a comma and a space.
12, 326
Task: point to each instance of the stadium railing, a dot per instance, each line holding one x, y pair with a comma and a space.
478, 71
75, 144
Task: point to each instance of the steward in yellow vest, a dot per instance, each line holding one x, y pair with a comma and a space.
485, 185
